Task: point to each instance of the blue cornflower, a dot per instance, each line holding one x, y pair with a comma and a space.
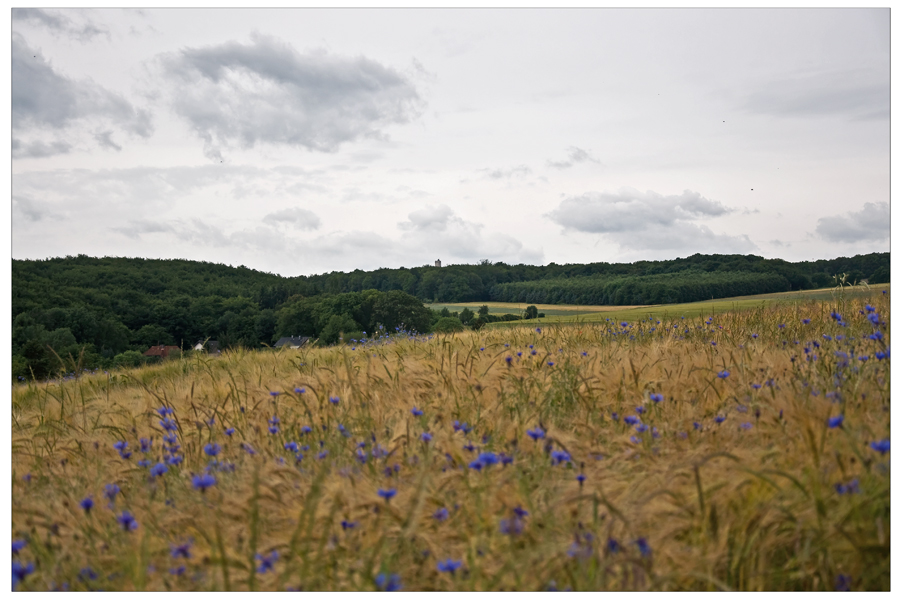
121, 445
127, 521
656, 398
426, 437
18, 545
274, 393
202, 482
632, 420
441, 514
248, 448
842, 583
19, 572
746, 426
212, 449
181, 550
882, 446
723, 374
488, 459
535, 434
164, 411
697, 425
719, 419
869, 308
87, 504
146, 444
158, 469
348, 524
448, 566
417, 412
513, 526
170, 438
273, 429
641, 428
110, 491
612, 545
388, 583
387, 494
636, 440
644, 547
87, 574
615, 416
229, 431
836, 421
173, 460
560, 456
806, 320
292, 446
322, 455
168, 424
756, 386
266, 562
334, 400
581, 478
305, 430
754, 335
639, 409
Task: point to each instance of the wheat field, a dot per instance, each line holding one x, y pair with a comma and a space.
747, 451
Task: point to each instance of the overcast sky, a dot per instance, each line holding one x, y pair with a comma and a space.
306, 141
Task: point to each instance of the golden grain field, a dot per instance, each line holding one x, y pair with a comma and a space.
749, 451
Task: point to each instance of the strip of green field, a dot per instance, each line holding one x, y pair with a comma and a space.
700, 308
500, 308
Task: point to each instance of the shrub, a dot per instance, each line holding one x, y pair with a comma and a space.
448, 325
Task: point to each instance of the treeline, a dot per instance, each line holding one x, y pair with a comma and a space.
476, 282
116, 308
680, 287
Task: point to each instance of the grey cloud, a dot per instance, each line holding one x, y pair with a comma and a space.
506, 173
856, 94
872, 223
105, 140
31, 210
629, 210
136, 228
576, 155
41, 97
432, 218
649, 220
437, 230
58, 23
300, 218
266, 92
39, 149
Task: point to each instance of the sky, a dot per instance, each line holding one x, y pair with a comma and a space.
303, 141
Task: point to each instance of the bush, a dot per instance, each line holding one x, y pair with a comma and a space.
128, 359
448, 325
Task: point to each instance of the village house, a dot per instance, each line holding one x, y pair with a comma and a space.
292, 342
161, 351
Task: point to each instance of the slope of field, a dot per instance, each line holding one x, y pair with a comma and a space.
749, 451
702, 308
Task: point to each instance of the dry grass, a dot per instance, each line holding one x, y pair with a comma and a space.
719, 507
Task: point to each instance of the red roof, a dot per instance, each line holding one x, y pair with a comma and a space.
160, 351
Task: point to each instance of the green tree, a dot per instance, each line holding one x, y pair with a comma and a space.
483, 310
466, 315
448, 326
531, 312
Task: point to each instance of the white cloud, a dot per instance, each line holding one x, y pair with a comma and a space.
576, 156
299, 218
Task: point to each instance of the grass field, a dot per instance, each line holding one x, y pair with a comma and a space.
499, 308
749, 451
699, 308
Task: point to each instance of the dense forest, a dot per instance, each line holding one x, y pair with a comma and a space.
115, 308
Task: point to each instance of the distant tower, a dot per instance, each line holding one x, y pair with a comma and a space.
437, 263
